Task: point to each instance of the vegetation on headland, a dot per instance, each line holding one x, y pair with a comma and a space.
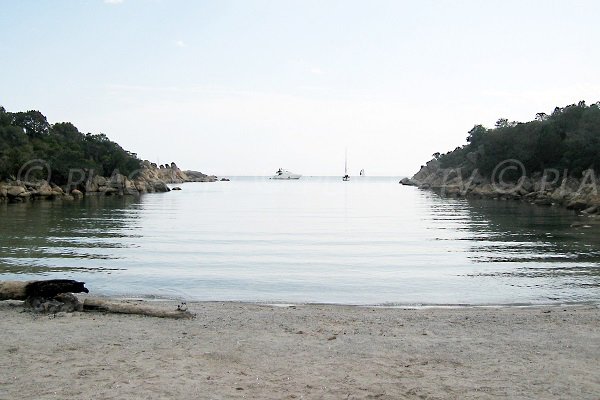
553, 160
47, 161
568, 139
25, 136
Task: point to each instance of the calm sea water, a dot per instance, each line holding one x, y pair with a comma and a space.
367, 241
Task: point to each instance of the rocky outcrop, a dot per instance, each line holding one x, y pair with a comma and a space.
15, 191
115, 185
171, 173
543, 189
195, 176
149, 179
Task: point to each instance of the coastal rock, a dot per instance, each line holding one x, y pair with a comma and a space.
45, 190
485, 190
195, 176
15, 191
526, 185
57, 191
577, 205
427, 170
543, 201
572, 193
160, 186
150, 179
591, 210
94, 183
570, 185
108, 190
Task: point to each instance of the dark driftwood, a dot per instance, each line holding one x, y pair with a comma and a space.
54, 296
23, 290
126, 308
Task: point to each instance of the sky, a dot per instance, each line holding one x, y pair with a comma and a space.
246, 87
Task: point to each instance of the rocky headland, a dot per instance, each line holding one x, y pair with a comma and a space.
150, 178
552, 160
171, 173
548, 188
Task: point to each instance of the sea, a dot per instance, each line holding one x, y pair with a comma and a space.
368, 241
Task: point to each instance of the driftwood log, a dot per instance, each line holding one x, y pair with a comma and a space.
55, 295
126, 308
50, 296
23, 290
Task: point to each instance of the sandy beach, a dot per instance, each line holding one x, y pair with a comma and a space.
238, 350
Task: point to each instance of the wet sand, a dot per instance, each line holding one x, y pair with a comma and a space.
238, 350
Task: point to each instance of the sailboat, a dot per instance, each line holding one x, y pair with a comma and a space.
346, 176
362, 172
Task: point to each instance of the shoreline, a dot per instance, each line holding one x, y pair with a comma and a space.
579, 195
243, 350
417, 306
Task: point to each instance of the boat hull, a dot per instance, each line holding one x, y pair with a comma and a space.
286, 177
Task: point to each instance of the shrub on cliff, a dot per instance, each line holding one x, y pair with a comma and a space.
25, 136
568, 139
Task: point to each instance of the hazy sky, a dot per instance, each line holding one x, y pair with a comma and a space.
246, 87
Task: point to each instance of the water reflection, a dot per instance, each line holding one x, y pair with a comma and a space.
544, 246
41, 237
359, 242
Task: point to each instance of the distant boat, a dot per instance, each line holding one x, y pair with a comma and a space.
285, 174
346, 176
362, 172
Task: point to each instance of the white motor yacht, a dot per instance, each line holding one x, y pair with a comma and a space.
285, 174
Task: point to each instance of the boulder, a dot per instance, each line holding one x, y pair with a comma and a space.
486, 191
108, 190
95, 183
57, 190
543, 201
427, 170
141, 186
534, 195
129, 187
577, 205
77, 193
594, 200
559, 195
591, 210
570, 185
526, 184
160, 186
15, 191
45, 190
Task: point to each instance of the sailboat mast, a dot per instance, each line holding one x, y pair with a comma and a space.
346, 162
